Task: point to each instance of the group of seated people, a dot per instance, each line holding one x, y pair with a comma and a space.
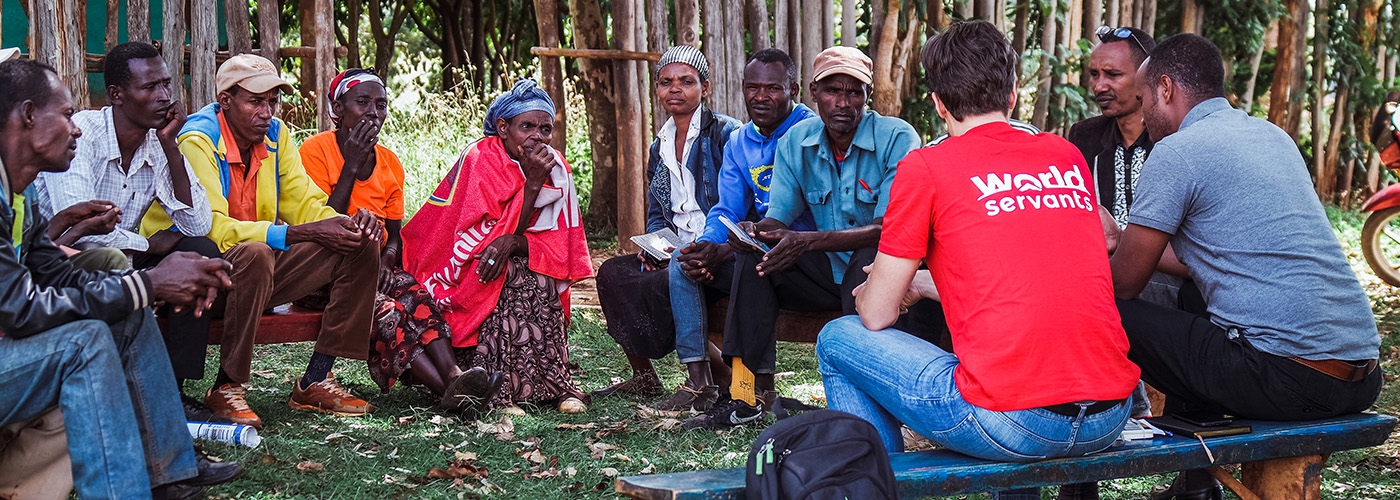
1006, 291
221, 215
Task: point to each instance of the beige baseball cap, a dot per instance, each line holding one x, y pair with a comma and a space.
845, 61
254, 73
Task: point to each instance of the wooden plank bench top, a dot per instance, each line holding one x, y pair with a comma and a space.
280, 325
943, 472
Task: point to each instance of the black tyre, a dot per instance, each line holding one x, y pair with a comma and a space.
1380, 243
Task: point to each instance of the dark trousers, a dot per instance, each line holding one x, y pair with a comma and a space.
1200, 366
807, 286
186, 336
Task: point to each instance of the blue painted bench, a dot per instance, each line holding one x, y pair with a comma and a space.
1281, 460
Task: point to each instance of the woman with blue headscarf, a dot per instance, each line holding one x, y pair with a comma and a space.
498, 244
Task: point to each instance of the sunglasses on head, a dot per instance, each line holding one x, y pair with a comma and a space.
1107, 34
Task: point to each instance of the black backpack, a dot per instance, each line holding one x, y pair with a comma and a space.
820, 455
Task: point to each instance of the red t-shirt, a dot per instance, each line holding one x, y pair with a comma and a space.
1009, 228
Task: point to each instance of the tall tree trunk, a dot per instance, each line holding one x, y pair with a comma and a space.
1327, 174
72, 33
1040, 117
893, 59
1320, 39
1110, 12
138, 21
1288, 70
984, 9
1247, 100
595, 83
811, 32
385, 34
1149, 18
1018, 33
688, 23
547, 21
324, 38
1190, 11
658, 40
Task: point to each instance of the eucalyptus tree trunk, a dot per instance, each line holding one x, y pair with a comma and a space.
595, 83
1040, 117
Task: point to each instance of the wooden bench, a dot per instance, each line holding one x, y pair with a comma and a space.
1281, 461
792, 326
281, 325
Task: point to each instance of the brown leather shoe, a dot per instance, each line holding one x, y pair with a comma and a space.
230, 401
327, 396
689, 400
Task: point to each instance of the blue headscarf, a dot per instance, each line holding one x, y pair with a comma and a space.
526, 96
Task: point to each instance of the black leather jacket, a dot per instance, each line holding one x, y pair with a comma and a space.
40, 289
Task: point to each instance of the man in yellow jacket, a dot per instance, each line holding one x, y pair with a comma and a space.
271, 221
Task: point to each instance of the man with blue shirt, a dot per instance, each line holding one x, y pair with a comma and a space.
704, 268
839, 168
1287, 333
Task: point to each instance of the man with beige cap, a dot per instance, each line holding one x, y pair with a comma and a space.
273, 225
839, 168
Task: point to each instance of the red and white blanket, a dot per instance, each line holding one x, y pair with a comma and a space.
478, 201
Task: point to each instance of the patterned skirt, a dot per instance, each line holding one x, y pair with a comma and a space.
526, 340
405, 320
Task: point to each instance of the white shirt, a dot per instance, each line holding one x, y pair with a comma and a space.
688, 218
96, 174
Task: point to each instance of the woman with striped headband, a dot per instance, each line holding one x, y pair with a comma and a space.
683, 168
358, 172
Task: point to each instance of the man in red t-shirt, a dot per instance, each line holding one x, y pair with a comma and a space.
1009, 229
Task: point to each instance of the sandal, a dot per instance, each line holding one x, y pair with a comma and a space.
688, 399
641, 384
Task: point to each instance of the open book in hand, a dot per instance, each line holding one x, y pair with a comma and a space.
657, 243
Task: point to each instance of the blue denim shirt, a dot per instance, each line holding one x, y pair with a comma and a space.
746, 175
845, 196
706, 156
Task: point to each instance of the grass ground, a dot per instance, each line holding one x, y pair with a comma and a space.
405, 450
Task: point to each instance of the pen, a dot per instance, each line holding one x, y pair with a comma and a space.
866, 186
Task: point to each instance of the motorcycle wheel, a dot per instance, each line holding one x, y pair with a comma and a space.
1380, 243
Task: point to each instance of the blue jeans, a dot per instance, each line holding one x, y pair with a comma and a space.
887, 377
80, 367
689, 308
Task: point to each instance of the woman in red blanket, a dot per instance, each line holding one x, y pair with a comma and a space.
358, 172
497, 246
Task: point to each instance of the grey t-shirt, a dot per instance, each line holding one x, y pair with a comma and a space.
1235, 195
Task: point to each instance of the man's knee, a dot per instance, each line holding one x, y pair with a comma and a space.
101, 259
253, 257
201, 245
838, 331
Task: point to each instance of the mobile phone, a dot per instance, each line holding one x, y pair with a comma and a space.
1203, 418
744, 237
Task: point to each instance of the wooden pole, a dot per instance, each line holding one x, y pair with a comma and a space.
62, 29
1294, 477
547, 19
630, 55
658, 40
173, 46
811, 34
631, 166
204, 40
688, 22
269, 30
138, 21
113, 25
848, 23
325, 59
240, 36
731, 68
43, 32
756, 19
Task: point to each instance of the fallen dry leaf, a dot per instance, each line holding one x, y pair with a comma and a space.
570, 470
590, 425
619, 456
264, 374
464, 455
534, 456
406, 420
609, 471
544, 474
267, 460
309, 466
457, 469
441, 420
599, 449
648, 469
666, 424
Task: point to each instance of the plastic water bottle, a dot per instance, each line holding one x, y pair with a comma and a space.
234, 434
